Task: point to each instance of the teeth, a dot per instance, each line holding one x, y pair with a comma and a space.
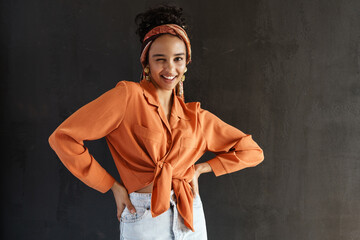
170, 77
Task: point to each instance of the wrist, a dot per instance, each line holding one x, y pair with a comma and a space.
112, 187
203, 168
116, 185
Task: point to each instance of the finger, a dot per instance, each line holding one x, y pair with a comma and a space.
118, 215
119, 212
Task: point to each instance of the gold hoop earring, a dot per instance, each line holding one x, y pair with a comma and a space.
183, 76
146, 71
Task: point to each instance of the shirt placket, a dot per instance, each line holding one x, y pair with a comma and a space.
168, 131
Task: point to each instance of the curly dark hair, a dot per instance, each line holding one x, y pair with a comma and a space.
161, 14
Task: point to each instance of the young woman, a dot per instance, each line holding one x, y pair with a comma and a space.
155, 139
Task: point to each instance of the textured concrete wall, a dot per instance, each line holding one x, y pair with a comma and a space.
287, 72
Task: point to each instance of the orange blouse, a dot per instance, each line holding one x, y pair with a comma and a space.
147, 148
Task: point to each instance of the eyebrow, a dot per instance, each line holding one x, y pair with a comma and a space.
162, 55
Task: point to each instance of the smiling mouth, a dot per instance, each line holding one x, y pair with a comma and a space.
168, 77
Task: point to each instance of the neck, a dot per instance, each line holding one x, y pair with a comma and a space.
165, 97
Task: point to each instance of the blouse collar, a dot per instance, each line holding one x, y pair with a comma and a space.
150, 94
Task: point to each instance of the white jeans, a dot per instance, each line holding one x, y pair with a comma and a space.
169, 225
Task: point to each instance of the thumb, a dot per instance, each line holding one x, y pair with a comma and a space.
191, 184
192, 187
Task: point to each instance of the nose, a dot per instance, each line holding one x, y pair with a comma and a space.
170, 66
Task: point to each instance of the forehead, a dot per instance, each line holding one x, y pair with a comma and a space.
167, 44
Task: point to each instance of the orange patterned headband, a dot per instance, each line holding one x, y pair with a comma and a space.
173, 29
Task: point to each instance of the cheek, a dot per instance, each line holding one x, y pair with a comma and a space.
181, 67
183, 70
155, 68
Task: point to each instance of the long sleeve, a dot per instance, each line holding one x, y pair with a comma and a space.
90, 122
234, 149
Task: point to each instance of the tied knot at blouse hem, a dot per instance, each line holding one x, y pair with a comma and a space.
147, 147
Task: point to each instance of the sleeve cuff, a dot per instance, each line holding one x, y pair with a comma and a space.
105, 184
217, 166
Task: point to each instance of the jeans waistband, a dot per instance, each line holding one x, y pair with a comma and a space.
138, 195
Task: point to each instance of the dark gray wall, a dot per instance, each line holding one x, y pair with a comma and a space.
287, 72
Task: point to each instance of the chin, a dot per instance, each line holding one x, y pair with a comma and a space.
168, 86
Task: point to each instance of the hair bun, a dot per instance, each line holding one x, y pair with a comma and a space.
158, 15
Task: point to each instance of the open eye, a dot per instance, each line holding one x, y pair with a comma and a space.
178, 59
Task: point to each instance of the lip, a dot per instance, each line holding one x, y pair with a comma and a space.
168, 80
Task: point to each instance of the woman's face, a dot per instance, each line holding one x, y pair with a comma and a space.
167, 61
